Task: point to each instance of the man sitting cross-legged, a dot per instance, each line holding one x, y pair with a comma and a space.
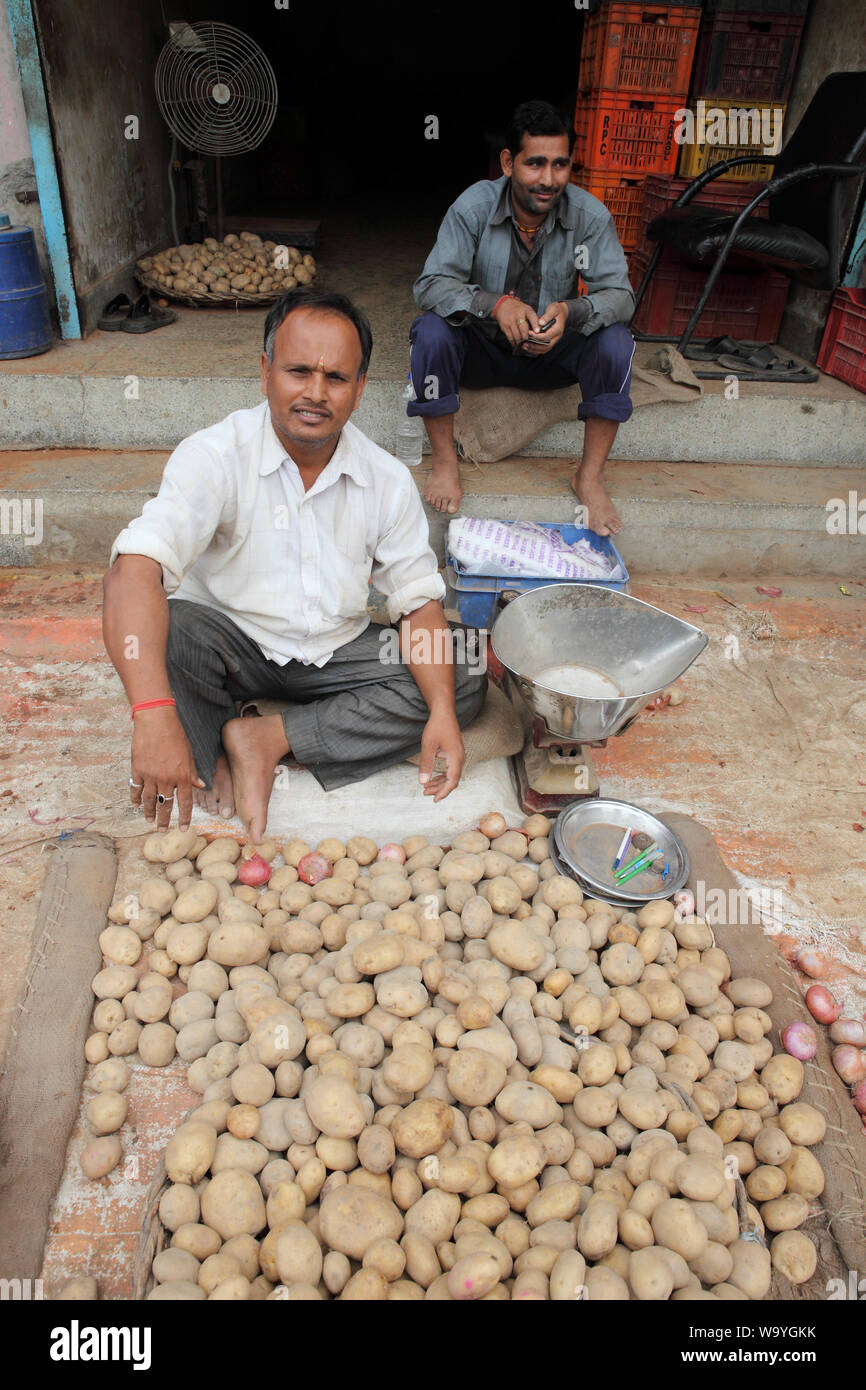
264, 533
502, 307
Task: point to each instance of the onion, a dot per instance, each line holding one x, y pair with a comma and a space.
812, 963
254, 871
850, 1063
849, 1030
822, 1004
859, 1097
396, 853
492, 824
313, 867
674, 694
800, 1040
684, 901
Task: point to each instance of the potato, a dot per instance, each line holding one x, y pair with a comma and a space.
422, 1127
352, 1218
120, 945
516, 1161
676, 1226
517, 945
335, 1108
165, 847
752, 1271
523, 1100
232, 1203
598, 1229
794, 1255
99, 1156
190, 1152
803, 1173
650, 1275
195, 903
802, 1123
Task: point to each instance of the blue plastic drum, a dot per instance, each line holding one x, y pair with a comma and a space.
25, 324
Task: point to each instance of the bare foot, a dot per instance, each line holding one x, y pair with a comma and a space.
254, 747
603, 517
218, 799
443, 490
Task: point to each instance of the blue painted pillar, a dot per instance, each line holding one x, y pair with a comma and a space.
42, 145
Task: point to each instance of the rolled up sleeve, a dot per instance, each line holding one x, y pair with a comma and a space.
178, 525
608, 290
404, 566
445, 284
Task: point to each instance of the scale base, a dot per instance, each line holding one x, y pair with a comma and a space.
553, 777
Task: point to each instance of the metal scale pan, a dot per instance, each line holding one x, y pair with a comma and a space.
587, 835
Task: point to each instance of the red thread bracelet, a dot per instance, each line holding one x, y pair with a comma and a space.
509, 295
150, 704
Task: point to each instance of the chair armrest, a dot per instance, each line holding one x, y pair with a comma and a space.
715, 171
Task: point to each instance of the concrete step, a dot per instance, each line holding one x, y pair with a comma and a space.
65, 506
127, 391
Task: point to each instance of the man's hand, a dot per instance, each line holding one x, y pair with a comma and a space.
543, 342
517, 320
441, 737
162, 761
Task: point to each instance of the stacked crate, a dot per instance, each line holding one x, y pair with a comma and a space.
745, 58
635, 65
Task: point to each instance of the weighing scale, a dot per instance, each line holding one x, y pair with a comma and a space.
608, 653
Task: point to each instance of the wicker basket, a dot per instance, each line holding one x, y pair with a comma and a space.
196, 299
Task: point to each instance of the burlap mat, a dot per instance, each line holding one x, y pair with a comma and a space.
842, 1153
44, 1065
492, 424
497, 732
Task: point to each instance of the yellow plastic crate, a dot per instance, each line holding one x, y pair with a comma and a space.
695, 158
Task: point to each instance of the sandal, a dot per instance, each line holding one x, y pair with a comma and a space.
764, 364
114, 313
144, 317
709, 351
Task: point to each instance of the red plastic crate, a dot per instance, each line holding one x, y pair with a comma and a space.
661, 191
741, 305
748, 56
843, 348
623, 197
639, 48
629, 135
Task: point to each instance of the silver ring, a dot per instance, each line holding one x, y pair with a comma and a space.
138, 785
161, 800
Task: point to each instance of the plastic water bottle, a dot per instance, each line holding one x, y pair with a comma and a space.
410, 430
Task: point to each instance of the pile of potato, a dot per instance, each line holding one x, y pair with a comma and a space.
389, 1110
240, 263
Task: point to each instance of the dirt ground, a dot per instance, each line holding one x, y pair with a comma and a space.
767, 749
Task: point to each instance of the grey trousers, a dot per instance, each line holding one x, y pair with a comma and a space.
355, 715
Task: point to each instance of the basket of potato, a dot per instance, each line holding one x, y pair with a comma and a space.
435, 1072
241, 269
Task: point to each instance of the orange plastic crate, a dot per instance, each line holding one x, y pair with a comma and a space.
625, 134
623, 197
639, 48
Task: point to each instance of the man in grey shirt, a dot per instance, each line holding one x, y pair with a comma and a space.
502, 301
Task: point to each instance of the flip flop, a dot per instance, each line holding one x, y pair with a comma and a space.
114, 313
764, 364
144, 317
709, 351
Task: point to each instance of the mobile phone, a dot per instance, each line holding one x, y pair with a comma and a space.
543, 327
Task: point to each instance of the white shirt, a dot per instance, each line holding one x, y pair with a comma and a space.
233, 528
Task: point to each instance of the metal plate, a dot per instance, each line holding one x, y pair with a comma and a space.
562, 868
588, 834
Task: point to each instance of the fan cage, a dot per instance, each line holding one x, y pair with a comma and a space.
219, 97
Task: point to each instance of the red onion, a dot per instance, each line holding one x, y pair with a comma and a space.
812, 963
492, 824
684, 902
822, 1004
800, 1040
396, 853
859, 1097
313, 867
850, 1063
254, 871
849, 1030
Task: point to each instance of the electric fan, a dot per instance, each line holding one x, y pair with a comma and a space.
217, 92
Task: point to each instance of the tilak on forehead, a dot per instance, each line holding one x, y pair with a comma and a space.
321, 366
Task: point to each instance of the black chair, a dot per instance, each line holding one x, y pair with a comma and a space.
814, 194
